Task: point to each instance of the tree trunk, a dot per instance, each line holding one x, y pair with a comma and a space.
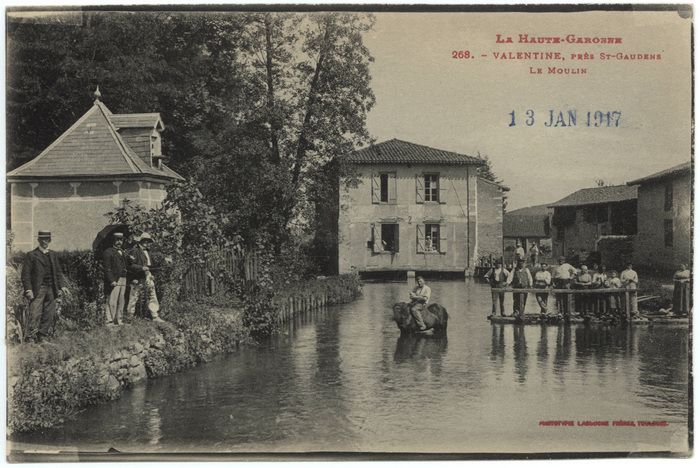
272, 118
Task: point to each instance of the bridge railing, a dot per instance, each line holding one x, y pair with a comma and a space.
627, 294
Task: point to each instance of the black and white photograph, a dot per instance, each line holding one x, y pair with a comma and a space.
348, 232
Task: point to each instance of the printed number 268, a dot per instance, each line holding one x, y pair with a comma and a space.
461, 54
529, 118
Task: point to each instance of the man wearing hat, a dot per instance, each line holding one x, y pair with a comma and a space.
561, 277
42, 281
519, 278
114, 260
140, 278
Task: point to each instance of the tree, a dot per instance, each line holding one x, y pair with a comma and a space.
252, 102
486, 172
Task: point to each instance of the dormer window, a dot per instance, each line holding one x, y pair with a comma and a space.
155, 144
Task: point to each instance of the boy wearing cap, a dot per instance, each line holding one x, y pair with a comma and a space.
42, 281
140, 278
114, 260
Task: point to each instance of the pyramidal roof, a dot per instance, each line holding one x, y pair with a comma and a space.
91, 147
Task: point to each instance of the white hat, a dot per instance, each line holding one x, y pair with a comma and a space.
144, 236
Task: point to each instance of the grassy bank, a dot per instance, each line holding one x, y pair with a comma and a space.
52, 381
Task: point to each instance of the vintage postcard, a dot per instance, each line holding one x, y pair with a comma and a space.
349, 232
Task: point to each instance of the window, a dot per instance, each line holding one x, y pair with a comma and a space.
668, 232
668, 197
384, 187
430, 189
430, 186
390, 237
385, 238
431, 238
384, 190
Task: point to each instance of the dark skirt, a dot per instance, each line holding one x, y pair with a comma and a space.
681, 297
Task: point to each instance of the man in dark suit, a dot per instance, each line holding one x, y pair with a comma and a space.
42, 281
140, 278
114, 260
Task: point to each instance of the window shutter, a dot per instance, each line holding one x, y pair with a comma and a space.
420, 238
442, 186
420, 188
443, 238
376, 189
392, 188
377, 238
396, 238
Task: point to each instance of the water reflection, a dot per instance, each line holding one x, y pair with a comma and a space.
343, 379
411, 347
520, 352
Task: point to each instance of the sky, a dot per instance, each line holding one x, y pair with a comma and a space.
426, 96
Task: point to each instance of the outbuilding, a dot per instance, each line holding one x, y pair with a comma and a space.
100, 161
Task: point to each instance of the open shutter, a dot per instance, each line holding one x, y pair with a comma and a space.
443, 238
392, 188
376, 189
420, 188
420, 238
377, 238
442, 186
396, 238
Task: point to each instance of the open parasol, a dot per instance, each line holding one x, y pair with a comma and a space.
103, 239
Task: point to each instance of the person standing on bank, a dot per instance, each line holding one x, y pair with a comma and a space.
43, 282
114, 261
534, 254
520, 278
419, 296
140, 278
498, 279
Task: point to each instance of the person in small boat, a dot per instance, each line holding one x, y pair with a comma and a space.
419, 296
630, 280
681, 291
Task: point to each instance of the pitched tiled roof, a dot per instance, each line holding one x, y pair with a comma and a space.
532, 221
92, 147
150, 120
597, 195
675, 170
402, 152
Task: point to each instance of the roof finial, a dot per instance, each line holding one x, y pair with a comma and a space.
97, 93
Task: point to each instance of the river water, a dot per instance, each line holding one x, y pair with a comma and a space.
343, 380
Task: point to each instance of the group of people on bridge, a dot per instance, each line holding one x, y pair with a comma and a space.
561, 277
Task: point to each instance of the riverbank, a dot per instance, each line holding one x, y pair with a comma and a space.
50, 382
